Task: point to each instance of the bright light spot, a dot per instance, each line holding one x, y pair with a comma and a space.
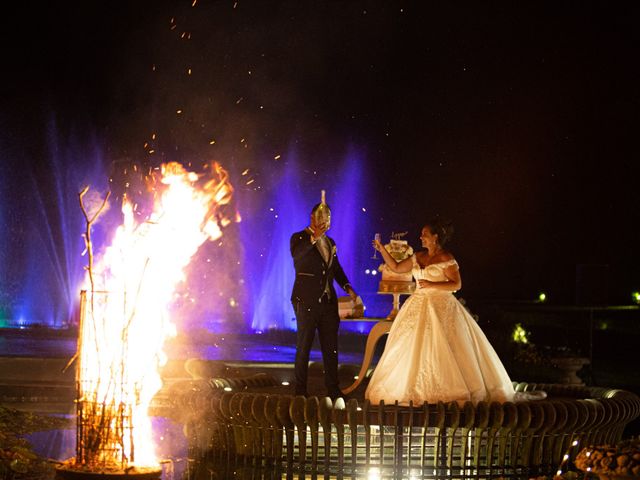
364, 209
227, 389
542, 297
374, 272
277, 157
367, 271
285, 383
519, 334
636, 297
355, 377
575, 442
374, 474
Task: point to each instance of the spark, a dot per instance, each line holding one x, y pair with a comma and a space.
277, 157
245, 172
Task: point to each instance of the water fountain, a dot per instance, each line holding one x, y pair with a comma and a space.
268, 258
42, 216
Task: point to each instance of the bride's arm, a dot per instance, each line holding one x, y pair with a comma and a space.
398, 267
453, 283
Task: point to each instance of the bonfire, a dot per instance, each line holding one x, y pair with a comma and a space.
124, 316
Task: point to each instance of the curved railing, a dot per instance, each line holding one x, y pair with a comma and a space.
507, 439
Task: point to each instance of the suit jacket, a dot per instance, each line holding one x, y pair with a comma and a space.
312, 272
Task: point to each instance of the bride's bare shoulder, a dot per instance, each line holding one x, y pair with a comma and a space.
444, 256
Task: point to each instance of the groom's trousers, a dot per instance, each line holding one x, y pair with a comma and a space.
324, 318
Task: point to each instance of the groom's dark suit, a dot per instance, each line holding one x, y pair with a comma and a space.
316, 305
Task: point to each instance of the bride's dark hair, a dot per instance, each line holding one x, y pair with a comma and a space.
443, 228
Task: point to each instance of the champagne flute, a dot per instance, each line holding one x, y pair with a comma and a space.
376, 238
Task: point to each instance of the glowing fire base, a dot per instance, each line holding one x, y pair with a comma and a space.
111, 412
71, 472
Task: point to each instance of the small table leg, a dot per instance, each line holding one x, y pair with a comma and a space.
377, 331
396, 307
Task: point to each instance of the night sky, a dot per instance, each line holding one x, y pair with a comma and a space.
517, 120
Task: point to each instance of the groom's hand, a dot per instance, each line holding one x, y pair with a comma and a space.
352, 293
319, 230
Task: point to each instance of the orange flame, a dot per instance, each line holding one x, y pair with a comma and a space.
125, 318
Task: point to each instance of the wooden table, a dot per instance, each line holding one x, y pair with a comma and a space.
381, 328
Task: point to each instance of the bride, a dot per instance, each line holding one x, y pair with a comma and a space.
435, 350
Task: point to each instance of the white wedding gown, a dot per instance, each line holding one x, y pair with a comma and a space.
436, 352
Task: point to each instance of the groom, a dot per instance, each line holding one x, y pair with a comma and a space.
314, 298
